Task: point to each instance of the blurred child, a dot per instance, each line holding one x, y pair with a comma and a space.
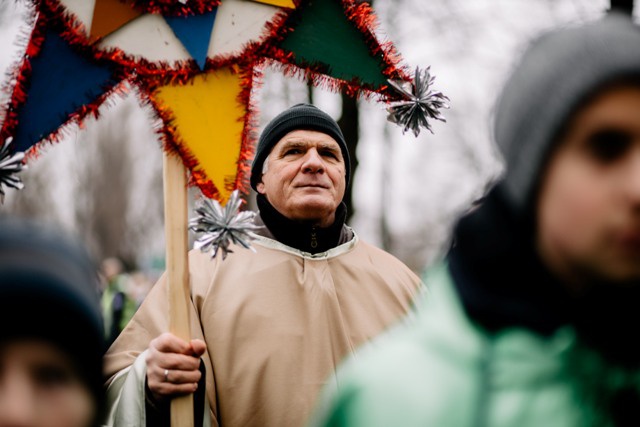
532, 320
51, 342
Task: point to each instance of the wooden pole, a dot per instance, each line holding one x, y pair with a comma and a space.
175, 217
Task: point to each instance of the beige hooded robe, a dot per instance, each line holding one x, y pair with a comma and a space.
276, 324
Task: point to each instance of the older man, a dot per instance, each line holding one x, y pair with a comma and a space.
270, 327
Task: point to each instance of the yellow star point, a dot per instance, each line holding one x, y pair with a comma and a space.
280, 3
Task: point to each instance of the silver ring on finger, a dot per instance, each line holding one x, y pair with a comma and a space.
166, 376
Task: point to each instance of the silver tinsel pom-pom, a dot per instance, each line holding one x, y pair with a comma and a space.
222, 226
419, 104
10, 166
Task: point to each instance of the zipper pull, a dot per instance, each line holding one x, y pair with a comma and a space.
314, 238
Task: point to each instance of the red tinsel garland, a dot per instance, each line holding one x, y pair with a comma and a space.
53, 18
365, 20
174, 7
251, 79
362, 16
359, 13
173, 141
18, 78
147, 76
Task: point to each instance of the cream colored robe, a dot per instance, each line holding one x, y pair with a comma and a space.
276, 323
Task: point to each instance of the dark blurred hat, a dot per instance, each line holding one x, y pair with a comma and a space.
49, 291
298, 117
557, 74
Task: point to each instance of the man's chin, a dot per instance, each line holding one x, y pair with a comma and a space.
315, 209
311, 201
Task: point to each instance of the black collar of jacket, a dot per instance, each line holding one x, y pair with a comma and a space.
502, 283
499, 278
303, 236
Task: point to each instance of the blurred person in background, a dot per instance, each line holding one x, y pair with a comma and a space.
533, 318
118, 305
139, 286
51, 341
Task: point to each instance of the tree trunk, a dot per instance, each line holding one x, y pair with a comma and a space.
350, 124
625, 6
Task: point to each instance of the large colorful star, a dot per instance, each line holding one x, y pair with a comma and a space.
197, 63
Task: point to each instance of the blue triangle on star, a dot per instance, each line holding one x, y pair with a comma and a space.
62, 81
194, 32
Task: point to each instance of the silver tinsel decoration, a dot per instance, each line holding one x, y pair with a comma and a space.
10, 166
419, 105
223, 226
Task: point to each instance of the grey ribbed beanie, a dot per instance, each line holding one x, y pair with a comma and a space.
558, 72
300, 116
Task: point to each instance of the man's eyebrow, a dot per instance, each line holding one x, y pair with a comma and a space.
293, 143
327, 146
302, 144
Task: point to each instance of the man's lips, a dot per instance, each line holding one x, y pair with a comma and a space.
311, 185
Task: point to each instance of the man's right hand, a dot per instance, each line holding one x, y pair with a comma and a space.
173, 366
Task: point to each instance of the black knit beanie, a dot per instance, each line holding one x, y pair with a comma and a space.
49, 291
557, 74
303, 117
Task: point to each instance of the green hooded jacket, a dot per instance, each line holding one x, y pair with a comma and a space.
445, 371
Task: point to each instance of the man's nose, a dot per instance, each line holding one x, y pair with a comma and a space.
313, 162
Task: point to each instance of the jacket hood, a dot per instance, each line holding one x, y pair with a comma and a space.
557, 74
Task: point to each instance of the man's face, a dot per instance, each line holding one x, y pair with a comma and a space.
305, 177
589, 206
39, 387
